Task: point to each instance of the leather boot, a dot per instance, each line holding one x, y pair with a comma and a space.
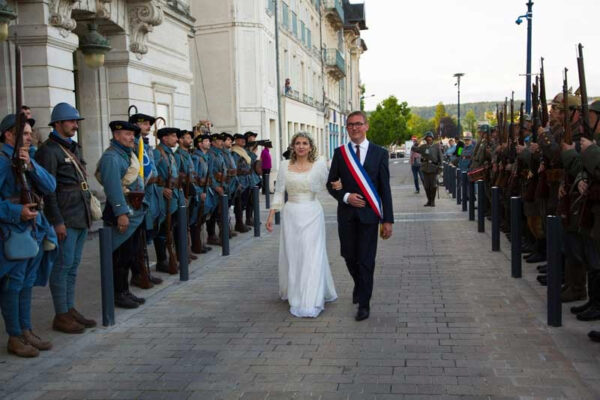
594, 336
592, 312
161, 255
139, 300
214, 240
142, 281
240, 227
86, 322
196, 241
67, 324
36, 341
432, 200
428, 194
18, 346
124, 301
574, 281
539, 255
590, 290
154, 279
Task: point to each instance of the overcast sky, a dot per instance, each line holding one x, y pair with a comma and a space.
415, 47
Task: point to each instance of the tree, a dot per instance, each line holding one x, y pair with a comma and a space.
363, 89
440, 112
470, 121
448, 127
490, 117
417, 125
388, 124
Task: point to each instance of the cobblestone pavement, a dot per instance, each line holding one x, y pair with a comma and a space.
447, 322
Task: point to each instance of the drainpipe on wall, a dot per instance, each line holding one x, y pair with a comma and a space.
277, 64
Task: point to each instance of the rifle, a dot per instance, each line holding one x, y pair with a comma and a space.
522, 125
585, 110
536, 109
170, 242
568, 136
19, 167
543, 99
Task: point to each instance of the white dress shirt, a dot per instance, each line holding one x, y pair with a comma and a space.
364, 147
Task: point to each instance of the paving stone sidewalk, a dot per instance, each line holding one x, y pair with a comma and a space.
447, 322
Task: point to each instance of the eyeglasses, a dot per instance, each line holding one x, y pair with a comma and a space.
354, 124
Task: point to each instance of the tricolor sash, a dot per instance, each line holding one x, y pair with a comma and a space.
362, 178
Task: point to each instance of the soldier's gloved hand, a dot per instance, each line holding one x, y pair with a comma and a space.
122, 223
168, 193
28, 212
582, 186
585, 143
61, 232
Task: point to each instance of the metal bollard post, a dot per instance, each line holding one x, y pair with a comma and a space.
459, 192
182, 243
225, 224
451, 174
465, 189
277, 218
256, 199
554, 270
515, 236
106, 277
266, 184
472, 201
495, 218
480, 206
445, 175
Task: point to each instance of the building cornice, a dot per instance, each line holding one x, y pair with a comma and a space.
134, 63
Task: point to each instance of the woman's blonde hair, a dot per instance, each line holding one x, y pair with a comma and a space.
312, 155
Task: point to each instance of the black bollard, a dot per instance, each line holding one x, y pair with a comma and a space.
471, 201
182, 244
515, 236
451, 174
267, 184
553, 250
106, 277
480, 206
459, 192
225, 224
256, 199
495, 218
465, 189
445, 175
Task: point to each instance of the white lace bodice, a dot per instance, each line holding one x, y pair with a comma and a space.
300, 186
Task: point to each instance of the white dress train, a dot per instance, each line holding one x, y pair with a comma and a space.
305, 278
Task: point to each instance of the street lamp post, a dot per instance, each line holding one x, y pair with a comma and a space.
519, 20
458, 76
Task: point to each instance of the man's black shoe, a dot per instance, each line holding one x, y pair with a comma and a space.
594, 336
155, 280
362, 314
162, 266
581, 308
139, 300
591, 314
543, 280
124, 301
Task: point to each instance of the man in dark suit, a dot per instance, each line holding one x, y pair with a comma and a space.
357, 221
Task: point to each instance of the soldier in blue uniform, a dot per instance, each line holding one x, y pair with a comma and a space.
207, 196
220, 185
118, 172
187, 179
68, 210
243, 163
467, 154
140, 270
172, 197
255, 174
19, 216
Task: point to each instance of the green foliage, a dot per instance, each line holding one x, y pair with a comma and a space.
490, 117
470, 122
388, 124
440, 112
417, 125
363, 89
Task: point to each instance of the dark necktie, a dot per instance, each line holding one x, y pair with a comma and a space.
358, 152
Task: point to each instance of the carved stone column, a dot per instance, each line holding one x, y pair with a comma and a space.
143, 16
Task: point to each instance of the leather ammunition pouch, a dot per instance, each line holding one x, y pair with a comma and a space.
135, 199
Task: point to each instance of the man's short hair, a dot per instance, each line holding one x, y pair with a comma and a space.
356, 113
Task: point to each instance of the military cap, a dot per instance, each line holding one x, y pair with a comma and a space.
123, 126
183, 132
429, 134
239, 136
595, 106
139, 118
10, 121
572, 101
467, 135
527, 117
485, 128
167, 131
250, 134
225, 136
216, 136
200, 138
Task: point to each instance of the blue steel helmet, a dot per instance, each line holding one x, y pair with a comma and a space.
429, 134
64, 112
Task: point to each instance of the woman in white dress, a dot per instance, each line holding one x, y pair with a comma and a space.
304, 275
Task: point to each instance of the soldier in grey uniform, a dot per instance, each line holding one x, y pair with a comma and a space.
431, 158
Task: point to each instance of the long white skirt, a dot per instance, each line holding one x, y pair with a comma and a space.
305, 278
